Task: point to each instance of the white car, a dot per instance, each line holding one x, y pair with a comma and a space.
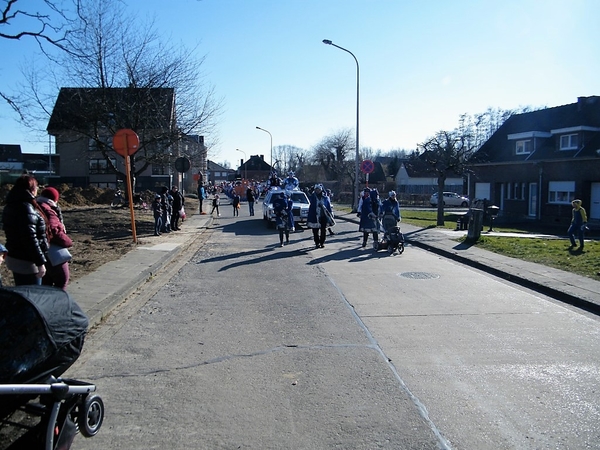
450, 199
299, 208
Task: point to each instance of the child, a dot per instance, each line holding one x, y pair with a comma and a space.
157, 210
215, 205
236, 205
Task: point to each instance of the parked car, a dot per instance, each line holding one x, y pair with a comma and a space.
299, 208
450, 199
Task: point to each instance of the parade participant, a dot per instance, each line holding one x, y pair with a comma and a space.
391, 206
578, 223
320, 215
284, 217
167, 209
201, 197
369, 209
274, 180
291, 182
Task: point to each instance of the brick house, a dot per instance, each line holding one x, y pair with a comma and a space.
84, 121
536, 163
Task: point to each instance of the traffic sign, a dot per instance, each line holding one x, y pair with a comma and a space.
367, 166
182, 164
126, 142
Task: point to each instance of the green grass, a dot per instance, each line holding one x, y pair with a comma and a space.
549, 252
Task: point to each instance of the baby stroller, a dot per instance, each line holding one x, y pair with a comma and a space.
41, 335
393, 239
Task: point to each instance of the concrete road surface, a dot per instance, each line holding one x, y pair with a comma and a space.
247, 345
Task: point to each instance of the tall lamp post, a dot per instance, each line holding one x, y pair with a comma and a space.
245, 163
262, 129
357, 161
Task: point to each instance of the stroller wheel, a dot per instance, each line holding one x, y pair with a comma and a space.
91, 415
400, 248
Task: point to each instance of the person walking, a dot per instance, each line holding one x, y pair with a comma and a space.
368, 210
284, 217
578, 224
167, 210
236, 204
57, 267
25, 231
320, 216
250, 198
215, 205
178, 203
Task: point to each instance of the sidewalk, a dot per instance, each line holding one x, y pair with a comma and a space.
99, 292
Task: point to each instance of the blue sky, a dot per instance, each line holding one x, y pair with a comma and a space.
422, 64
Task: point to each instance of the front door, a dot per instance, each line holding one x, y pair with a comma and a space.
595, 201
533, 200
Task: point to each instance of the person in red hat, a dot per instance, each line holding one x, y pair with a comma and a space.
57, 266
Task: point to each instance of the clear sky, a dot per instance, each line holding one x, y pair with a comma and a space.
422, 64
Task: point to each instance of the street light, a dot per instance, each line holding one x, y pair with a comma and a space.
262, 129
245, 164
357, 162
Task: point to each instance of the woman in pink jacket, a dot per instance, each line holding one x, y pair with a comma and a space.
56, 275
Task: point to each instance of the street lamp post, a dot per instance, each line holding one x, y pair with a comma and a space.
245, 163
357, 161
262, 129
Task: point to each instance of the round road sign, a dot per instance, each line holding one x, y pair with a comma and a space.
182, 164
367, 166
126, 142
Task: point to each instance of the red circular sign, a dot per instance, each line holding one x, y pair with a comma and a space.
367, 166
126, 142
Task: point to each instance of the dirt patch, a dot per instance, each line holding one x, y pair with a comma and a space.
100, 233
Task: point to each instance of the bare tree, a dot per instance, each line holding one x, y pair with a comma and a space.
44, 21
446, 153
125, 65
332, 154
290, 158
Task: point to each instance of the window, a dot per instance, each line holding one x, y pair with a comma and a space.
568, 142
561, 192
160, 169
523, 147
100, 165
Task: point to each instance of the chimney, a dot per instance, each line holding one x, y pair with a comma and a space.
262, 157
242, 162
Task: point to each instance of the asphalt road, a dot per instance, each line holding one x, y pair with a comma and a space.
243, 344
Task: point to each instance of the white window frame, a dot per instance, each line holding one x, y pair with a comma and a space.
569, 141
523, 147
561, 192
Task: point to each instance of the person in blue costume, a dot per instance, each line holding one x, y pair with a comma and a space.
391, 206
368, 209
291, 182
284, 218
320, 215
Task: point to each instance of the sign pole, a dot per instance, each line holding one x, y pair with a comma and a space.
129, 190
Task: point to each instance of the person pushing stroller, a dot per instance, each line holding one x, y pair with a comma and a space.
393, 239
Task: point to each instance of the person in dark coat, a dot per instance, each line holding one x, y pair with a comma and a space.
284, 217
25, 231
368, 209
157, 210
250, 199
178, 202
56, 275
320, 215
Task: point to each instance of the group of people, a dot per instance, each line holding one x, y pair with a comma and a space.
36, 247
168, 208
370, 210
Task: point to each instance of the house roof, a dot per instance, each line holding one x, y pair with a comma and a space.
417, 168
213, 166
135, 108
10, 153
256, 163
545, 124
